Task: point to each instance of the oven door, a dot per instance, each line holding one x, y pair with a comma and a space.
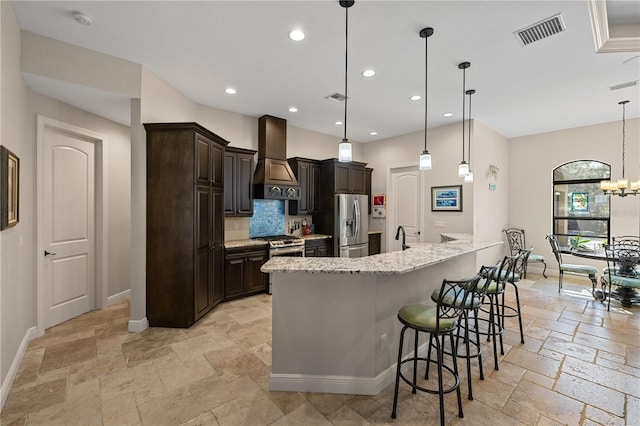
292, 251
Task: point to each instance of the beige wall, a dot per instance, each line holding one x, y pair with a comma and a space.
533, 158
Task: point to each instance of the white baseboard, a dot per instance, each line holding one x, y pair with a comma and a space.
15, 364
116, 298
138, 326
338, 384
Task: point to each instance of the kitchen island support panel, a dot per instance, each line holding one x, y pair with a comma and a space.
327, 328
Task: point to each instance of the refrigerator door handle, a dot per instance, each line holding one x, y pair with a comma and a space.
356, 207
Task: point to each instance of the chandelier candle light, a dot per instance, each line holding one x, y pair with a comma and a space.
469, 176
344, 149
463, 167
425, 157
621, 187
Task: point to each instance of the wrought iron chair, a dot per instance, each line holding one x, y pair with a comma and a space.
570, 268
439, 321
622, 271
519, 270
517, 242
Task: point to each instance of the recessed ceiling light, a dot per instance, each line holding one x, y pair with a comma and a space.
415, 97
368, 73
230, 91
338, 123
296, 35
293, 109
374, 133
82, 18
447, 114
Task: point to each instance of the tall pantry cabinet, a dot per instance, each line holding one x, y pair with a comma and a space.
185, 223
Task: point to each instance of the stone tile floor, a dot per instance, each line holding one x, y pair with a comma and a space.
580, 365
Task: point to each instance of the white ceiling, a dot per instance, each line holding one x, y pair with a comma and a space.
203, 47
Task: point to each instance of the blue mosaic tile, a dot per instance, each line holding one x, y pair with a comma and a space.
267, 219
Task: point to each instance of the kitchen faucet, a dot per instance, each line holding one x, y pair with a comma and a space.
404, 237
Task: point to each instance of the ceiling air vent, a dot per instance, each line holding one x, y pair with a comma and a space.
338, 97
540, 30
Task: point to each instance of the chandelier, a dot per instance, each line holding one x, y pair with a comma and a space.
621, 187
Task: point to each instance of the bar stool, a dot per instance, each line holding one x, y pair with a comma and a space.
513, 278
474, 302
439, 321
495, 289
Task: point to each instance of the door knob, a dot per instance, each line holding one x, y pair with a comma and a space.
48, 253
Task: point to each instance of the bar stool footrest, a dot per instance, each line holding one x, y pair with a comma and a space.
453, 387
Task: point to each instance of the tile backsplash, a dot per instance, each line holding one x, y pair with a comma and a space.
268, 218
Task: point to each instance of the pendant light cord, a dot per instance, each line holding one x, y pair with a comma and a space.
426, 104
463, 107
624, 103
470, 93
346, 59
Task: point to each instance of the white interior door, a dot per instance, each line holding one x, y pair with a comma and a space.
405, 205
67, 286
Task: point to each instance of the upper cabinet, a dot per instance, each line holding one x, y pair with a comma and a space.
343, 178
308, 174
238, 182
368, 171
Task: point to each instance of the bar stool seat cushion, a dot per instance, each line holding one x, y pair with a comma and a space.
578, 269
493, 288
514, 277
424, 317
447, 300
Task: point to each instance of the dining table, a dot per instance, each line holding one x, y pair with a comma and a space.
626, 295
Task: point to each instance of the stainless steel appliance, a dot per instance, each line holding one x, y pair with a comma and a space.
352, 225
283, 245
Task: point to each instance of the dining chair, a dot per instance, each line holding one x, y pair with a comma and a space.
517, 241
623, 258
571, 268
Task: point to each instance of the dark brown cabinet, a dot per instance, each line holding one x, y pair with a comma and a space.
307, 173
238, 182
343, 178
375, 243
242, 275
368, 172
185, 223
318, 248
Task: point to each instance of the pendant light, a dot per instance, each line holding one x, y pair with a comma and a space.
463, 167
469, 176
344, 149
622, 187
425, 157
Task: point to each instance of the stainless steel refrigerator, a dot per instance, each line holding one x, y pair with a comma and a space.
351, 225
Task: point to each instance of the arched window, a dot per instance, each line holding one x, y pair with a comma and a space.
580, 208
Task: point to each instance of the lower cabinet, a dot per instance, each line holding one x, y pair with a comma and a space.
242, 275
318, 248
375, 243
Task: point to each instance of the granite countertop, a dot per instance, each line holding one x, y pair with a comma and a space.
457, 237
315, 237
375, 232
244, 243
398, 262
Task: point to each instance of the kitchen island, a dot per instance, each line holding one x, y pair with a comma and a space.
335, 326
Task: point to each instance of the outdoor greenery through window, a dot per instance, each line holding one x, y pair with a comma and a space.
580, 208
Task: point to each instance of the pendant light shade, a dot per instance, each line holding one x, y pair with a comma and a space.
469, 176
621, 187
463, 167
344, 148
425, 157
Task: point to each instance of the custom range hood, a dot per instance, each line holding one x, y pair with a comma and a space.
273, 178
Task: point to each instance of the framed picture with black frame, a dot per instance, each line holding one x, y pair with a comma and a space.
9, 188
446, 198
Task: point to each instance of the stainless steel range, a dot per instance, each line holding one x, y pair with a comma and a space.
284, 245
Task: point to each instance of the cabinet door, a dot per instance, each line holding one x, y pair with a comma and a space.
203, 272
229, 190
256, 279
217, 165
374, 244
357, 180
342, 179
303, 181
309, 251
217, 263
217, 217
314, 188
367, 185
234, 275
324, 249
244, 185
203, 160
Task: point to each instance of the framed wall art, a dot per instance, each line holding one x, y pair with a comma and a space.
9, 188
446, 198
